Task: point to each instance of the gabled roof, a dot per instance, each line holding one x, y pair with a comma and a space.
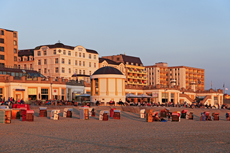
108, 61
131, 59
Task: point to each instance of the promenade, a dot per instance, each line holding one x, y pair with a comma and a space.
129, 134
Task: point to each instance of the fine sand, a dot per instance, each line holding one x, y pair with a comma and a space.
129, 134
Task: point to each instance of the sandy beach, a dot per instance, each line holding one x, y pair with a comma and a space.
129, 134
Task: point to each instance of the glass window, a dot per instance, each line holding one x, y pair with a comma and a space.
2, 32
2, 40
89, 72
15, 58
79, 71
45, 70
39, 53
94, 56
44, 52
31, 66
75, 62
56, 60
39, 62
76, 71
84, 72
69, 61
89, 64
45, 61
56, 69
63, 61
94, 64
39, 70
79, 63
15, 35
69, 70
69, 53
15, 43
63, 70
83, 63
44, 91
89, 56
15, 50
62, 91
83, 55
2, 49
79, 54
76, 54
64, 52
54, 52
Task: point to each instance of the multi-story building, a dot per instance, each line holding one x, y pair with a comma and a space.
182, 76
26, 59
107, 62
8, 48
60, 60
135, 71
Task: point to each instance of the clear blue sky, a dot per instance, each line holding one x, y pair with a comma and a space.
180, 32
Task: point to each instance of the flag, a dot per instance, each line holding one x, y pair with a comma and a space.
226, 88
223, 85
211, 84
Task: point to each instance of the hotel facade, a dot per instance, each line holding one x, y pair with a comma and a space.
8, 48
182, 76
59, 60
134, 69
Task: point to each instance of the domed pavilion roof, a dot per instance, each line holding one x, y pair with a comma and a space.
107, 70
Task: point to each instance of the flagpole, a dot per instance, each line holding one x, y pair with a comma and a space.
224, 88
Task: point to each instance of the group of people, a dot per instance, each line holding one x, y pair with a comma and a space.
11, 101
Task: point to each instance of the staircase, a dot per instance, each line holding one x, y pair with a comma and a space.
186, 96
205, 99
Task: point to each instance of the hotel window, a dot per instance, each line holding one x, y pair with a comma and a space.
25, 59
63, 61
83, 72
56, 69
44, 52
89, 64
19, 66
15, 35
83, 63
63, 70
69, 70
79, 71
94, 56
24, 66
15, 50
2, 49
15, 43
2, 32
39, 53
79, 63
39, 62
76, 71
64, 52
54, 52
118, 59
89, 56
44, 91
31, 67
45, 70
69, 53
2, 40
69, 62
45, 61
83, 55
31, 58
76, 54
15, 65
79, 54
94, 64
39, 70
15, 58
89, 72
75, 62
56, 60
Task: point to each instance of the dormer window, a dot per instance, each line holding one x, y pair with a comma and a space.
44, 52
69, 53
54, 52
64, 52
127, 63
